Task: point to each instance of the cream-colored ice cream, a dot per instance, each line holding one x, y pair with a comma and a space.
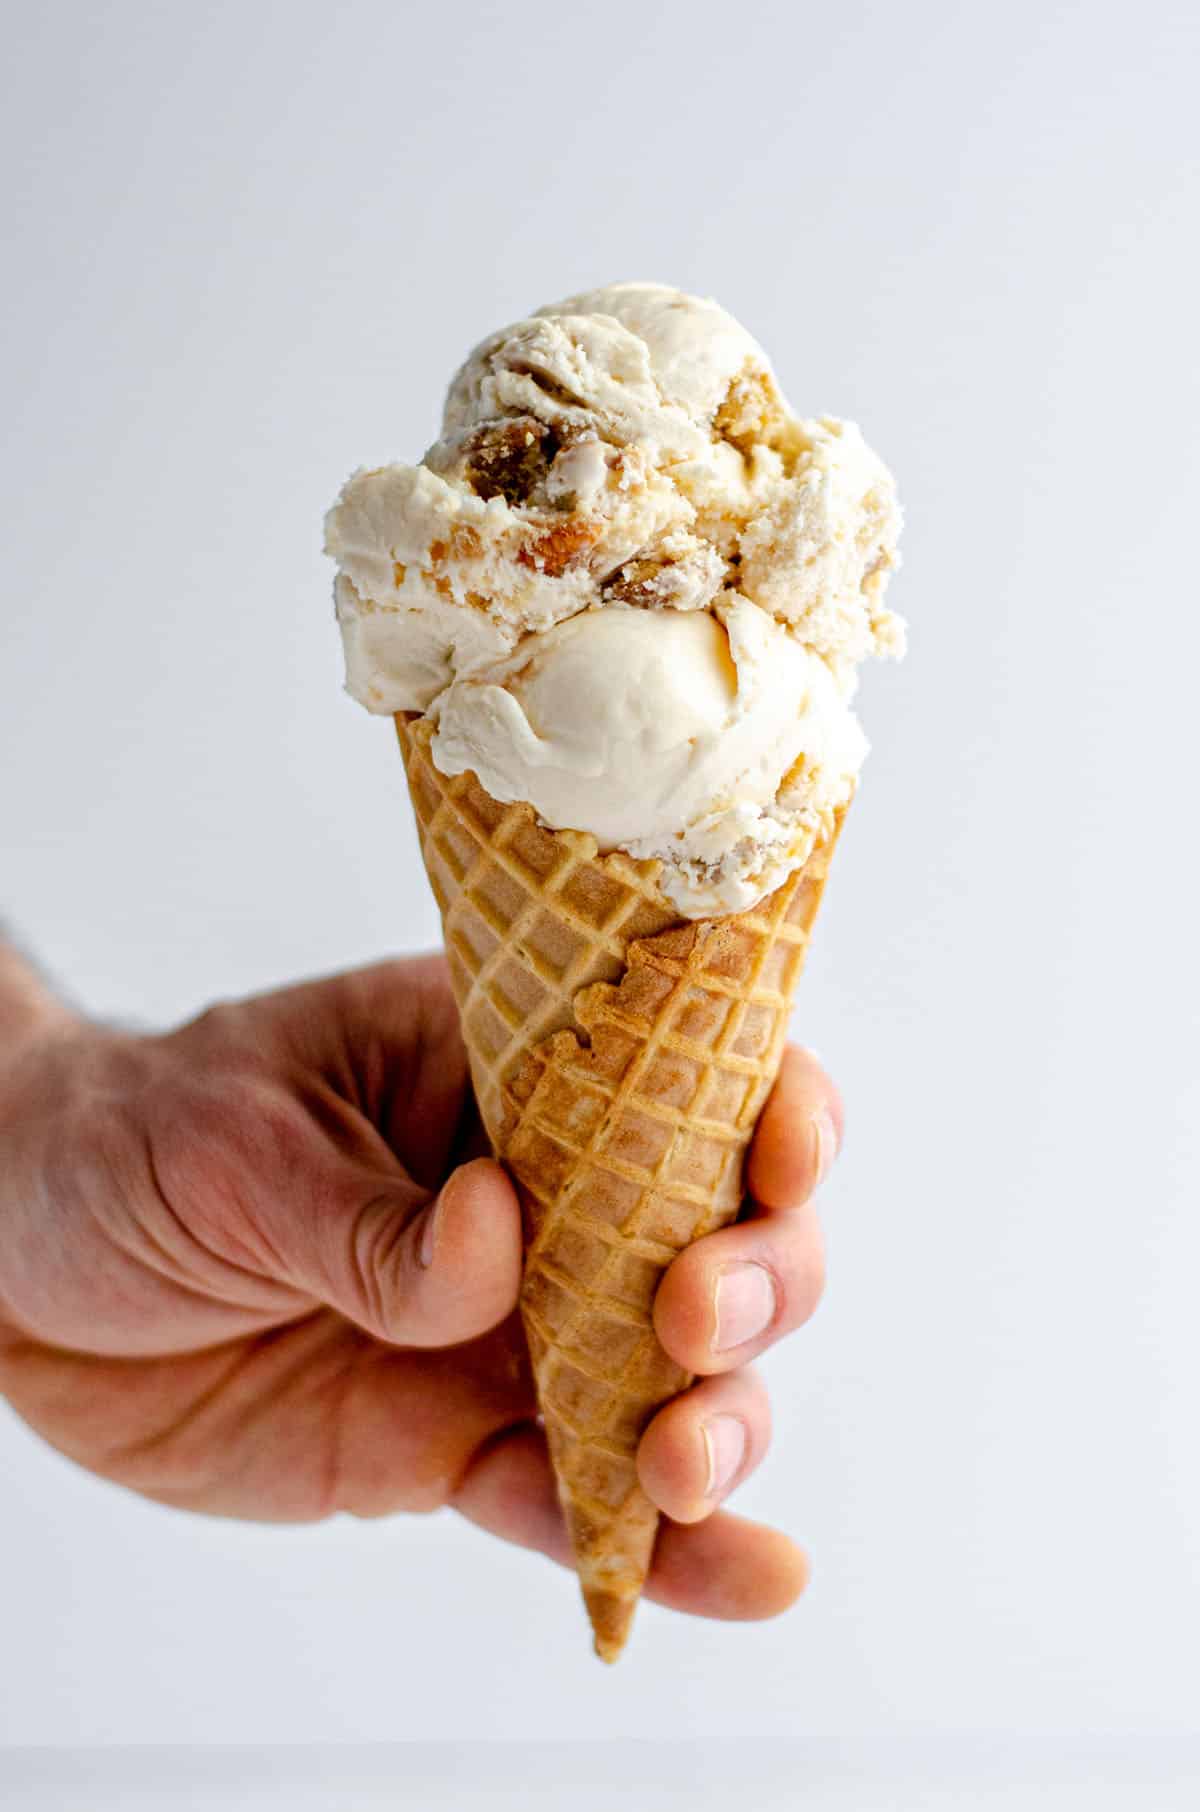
631, 588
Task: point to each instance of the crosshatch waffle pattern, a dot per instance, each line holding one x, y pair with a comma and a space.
529, 917
621, 1058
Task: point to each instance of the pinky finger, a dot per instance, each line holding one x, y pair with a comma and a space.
726, 1567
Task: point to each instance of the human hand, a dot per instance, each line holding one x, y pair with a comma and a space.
252, 1268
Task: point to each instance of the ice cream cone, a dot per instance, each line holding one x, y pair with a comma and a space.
621, 1056
630, 588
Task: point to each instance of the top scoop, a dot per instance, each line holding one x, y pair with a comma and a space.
631, 588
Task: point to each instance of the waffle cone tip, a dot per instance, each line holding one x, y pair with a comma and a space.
611, 1617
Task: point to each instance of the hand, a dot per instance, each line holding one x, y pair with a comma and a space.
251, 1267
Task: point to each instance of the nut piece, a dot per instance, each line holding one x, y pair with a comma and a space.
752, 412
560, 546
509, 458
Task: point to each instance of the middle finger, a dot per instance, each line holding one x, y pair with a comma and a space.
731, 1295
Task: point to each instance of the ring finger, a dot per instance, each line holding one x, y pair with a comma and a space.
704, 1443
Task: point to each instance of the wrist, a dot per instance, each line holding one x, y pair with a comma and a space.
28, 1009
36, 1031
24, 997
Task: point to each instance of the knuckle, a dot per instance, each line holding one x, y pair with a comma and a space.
230, 1155
415, 1497
218, 1025
377, 1256
807, 1284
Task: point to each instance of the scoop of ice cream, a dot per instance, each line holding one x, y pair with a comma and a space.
622, 529
668, 734
642, 364
819, 554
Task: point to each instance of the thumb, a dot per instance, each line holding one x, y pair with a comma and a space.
421, 1272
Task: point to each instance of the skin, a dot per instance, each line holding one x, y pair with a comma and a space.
256, 1267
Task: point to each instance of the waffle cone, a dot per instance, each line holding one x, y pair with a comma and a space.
620, 1057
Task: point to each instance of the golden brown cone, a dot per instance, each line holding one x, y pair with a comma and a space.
621, 1057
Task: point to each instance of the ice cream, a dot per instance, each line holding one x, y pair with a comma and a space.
631, 588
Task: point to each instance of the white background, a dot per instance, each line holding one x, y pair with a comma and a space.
246, 244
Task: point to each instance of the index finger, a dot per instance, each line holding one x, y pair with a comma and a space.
799, 1134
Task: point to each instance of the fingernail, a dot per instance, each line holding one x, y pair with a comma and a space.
825, 1136
744, 1304
428, 1243
725, 1446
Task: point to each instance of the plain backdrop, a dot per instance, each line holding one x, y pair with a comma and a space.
245, 246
